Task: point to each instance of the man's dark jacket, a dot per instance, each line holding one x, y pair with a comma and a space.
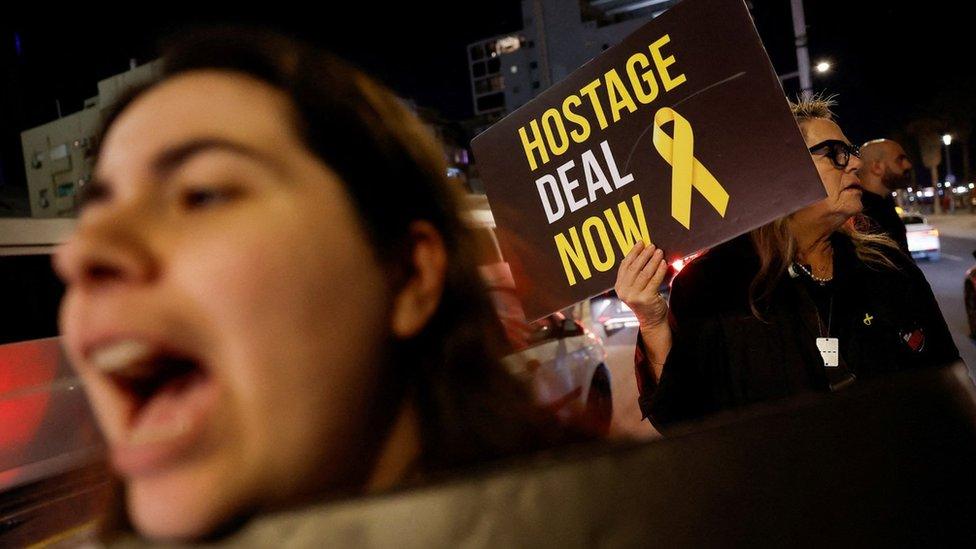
880, 211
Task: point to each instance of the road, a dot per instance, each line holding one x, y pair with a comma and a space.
620, 361
945, 276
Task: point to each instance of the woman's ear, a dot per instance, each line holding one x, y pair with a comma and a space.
420, 295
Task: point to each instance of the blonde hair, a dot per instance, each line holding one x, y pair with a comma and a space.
776, 245
818, 106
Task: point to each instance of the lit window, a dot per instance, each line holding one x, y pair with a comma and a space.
508, 44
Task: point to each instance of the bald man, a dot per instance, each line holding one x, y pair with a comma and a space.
884, 168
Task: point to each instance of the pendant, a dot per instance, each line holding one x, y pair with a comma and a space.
828, 347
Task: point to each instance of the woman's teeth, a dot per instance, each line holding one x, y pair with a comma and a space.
128, 357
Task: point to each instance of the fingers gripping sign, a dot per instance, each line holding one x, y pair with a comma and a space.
640, 276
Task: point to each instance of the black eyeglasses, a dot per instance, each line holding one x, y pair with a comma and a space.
839, 152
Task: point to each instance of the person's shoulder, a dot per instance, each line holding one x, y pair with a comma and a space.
898, 267
870, 198
716, 278
725, 259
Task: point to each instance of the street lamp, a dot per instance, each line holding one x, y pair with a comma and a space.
950, 179
822, 67
947, 140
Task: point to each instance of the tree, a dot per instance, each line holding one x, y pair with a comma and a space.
926, 134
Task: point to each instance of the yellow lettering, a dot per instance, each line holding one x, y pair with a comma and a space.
535, 144
631, 232
572, 253
626, 232
619, 96
550, 118
639, 59
579, 135
602, 265
662, 64
589, 91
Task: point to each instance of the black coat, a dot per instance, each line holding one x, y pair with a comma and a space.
881, 215
723, 357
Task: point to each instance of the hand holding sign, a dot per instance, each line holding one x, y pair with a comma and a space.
639, 282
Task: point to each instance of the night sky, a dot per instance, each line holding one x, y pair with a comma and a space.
894, 61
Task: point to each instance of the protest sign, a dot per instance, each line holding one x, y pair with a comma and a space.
679, 135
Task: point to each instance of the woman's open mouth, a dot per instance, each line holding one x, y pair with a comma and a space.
168, 395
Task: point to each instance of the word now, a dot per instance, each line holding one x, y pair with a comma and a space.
595, 247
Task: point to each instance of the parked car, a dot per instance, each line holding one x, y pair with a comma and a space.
562, 361
923, 239
969, 291
612, 314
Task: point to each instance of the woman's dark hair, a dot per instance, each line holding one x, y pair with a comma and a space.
471, 409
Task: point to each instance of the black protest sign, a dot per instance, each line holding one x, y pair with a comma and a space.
679, 135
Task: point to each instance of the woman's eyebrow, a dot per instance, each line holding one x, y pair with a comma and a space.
173, 157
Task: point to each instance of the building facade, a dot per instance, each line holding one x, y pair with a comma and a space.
558, 36
59, 155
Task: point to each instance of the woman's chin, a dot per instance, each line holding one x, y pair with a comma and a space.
172, 509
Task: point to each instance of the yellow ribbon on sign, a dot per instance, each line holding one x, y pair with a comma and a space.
686, 170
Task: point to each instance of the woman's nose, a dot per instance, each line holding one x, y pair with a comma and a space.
104, 254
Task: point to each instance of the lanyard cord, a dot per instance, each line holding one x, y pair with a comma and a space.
830, 317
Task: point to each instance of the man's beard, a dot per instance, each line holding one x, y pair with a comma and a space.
896, 181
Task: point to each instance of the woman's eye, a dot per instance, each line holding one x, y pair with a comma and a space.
92, 193
207, 196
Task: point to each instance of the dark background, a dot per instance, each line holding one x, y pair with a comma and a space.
893, 61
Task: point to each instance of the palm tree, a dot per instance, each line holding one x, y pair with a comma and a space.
926, 133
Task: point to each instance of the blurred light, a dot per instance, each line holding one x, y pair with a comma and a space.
678, 265
962, 189
929, 193
918, 193
823, 67
514, 69
971, 185
909, 189
507, 45
947, 139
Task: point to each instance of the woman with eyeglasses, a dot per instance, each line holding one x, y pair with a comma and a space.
809, 302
